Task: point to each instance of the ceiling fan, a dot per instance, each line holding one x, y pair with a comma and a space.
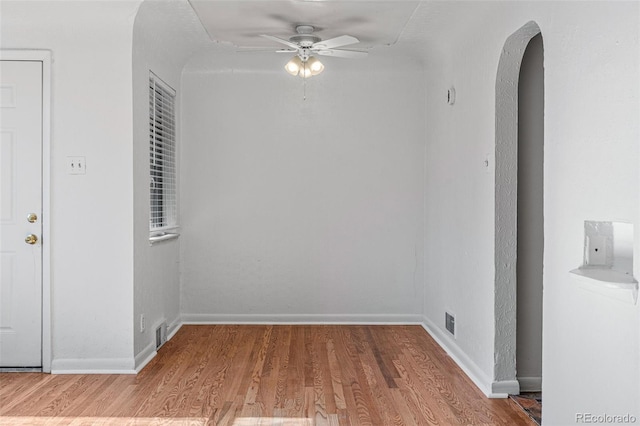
305, 44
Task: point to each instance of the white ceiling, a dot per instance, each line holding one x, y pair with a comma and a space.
240, 23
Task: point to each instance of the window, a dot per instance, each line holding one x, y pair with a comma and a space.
162, 156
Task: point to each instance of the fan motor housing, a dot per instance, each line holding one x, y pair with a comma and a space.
305, 37
305, 40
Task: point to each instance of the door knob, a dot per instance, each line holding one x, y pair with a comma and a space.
31, 239
32, 218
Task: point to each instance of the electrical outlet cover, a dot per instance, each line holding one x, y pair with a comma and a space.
143, 324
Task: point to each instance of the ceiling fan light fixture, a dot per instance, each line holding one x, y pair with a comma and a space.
305, 72
294, 66
304, 68
315, 66
305, 43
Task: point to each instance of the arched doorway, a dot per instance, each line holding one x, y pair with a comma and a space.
506, 211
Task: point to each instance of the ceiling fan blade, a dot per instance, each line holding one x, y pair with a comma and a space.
254, 49
340, 53
264, 49
343, 40
280, 40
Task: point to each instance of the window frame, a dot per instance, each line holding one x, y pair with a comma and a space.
163, 176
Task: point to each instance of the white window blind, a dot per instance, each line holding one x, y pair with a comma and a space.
162, 155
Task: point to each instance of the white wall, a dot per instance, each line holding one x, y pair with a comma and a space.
298, 209
591, 349
165, 34
91, 215
591, 353
459, 190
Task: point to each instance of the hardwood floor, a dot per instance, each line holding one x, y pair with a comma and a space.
245, 375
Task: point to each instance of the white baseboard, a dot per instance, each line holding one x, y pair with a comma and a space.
146, 355
300, 319
133, 366
470, 368
530, 384
115, 365
504, 388
93, 366
173, 328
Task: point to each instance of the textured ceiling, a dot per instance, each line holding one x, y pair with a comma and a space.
389, 29
240, 23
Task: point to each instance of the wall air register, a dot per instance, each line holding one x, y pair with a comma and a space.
161, 335
450, 323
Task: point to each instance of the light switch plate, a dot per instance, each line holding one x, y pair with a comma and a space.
76, 165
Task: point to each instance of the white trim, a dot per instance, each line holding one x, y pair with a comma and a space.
93, 366
470, 368
145, 356
504, 388
164, 236
173, 328
47, 341
530, 384
300, 319
43, 56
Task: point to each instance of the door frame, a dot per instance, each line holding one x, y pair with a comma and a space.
43, 56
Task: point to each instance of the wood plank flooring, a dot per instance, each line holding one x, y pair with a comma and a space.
245, 375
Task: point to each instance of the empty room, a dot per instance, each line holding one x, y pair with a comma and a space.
319, 212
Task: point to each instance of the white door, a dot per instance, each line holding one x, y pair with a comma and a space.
21, 214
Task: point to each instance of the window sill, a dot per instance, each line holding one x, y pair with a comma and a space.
165, 236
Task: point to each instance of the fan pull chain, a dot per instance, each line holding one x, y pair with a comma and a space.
304, 81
